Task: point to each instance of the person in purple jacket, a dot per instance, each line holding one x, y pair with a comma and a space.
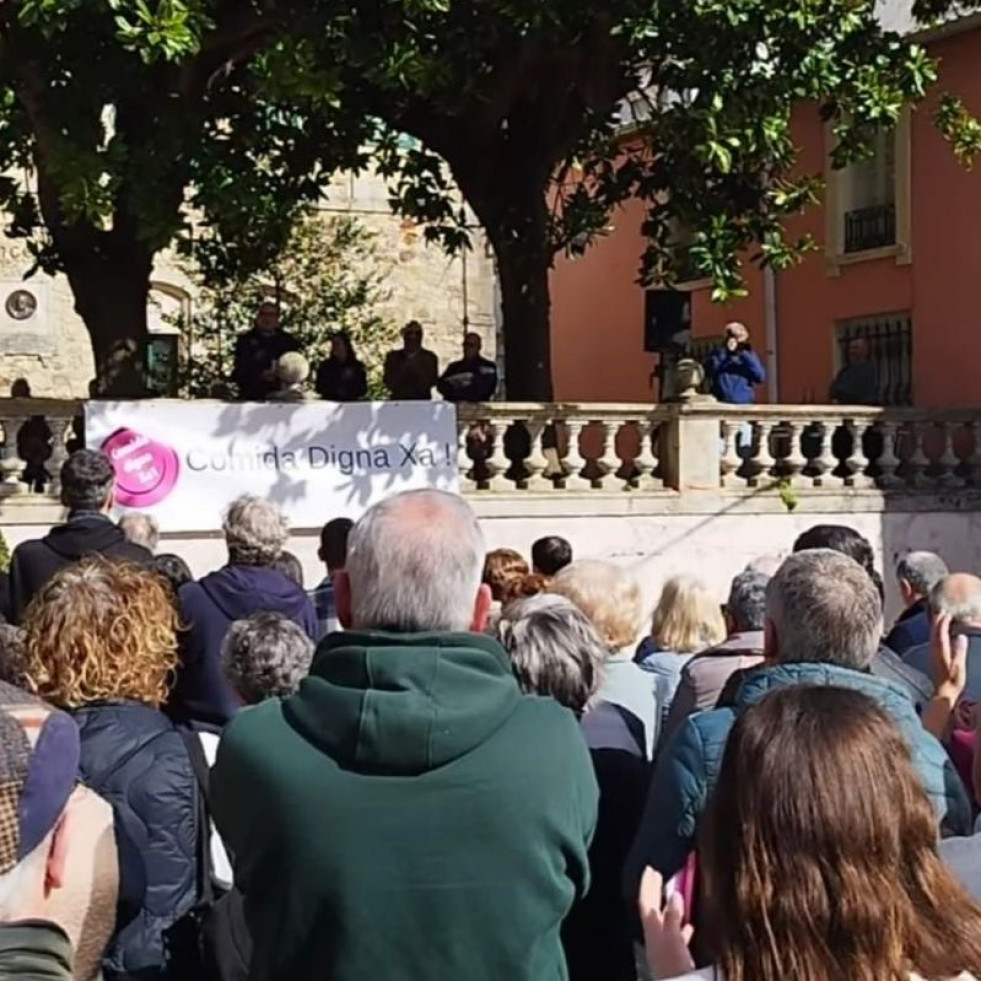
255, 534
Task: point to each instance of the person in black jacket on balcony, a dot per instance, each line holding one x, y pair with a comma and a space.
342, 377
256, 353
87, 487
471, 379
101, 642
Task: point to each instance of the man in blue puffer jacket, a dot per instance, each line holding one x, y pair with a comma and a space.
734, 369
824, 621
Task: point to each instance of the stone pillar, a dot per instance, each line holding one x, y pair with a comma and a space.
691, 448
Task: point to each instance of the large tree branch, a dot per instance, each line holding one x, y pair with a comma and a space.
242, 29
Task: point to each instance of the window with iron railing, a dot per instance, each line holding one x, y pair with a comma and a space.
870, 228
867, 198
889, 345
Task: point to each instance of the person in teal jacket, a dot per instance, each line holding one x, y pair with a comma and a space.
824, 620
409, 813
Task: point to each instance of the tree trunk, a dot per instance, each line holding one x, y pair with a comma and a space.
516, 221
525, 306
111, 290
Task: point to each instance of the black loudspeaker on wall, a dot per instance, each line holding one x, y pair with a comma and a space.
667, 320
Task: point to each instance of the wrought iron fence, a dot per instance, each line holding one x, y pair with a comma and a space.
890, 349
870, 228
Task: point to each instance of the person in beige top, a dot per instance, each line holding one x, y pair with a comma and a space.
704, 677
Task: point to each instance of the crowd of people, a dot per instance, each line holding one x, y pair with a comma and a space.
269, 366
445, 763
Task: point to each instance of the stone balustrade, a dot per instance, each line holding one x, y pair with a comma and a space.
704, 446
832, 447
561, 448
690, 451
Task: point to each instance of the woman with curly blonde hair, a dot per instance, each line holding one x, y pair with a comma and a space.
101, 642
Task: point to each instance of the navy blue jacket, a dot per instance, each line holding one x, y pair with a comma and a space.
134, 758
689, 765
36, 562
911, 629
208, 608
921, 659
734, 375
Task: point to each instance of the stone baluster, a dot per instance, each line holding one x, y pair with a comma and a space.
574, 460
857, 463
537, 463
609, 462
888, 460
647, 458
795, 461
762, 461
949, 478
11, 464
729, 461
464, 463
825, 463
919, 462
60, 429
498, 464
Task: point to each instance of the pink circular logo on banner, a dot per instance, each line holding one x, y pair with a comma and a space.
146, 471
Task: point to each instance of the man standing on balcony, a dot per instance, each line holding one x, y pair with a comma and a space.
856, 383
734, 369
411, 371
471, 379
257, 352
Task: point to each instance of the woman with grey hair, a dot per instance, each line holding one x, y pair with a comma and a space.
256, 533
292, 372
556, 651
265, 656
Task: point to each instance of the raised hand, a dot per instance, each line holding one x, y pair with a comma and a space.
666, 936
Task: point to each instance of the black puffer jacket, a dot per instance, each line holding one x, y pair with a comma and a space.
134, 757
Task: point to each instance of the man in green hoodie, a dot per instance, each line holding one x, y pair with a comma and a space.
409, 813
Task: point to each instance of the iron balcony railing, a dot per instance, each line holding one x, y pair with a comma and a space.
870, 228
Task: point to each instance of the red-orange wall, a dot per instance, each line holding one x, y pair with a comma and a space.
597, 306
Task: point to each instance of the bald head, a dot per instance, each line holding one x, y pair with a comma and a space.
414, 563
959, 596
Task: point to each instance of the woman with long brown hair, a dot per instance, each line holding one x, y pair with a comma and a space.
818, 859
101, 643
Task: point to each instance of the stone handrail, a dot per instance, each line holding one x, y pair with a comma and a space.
560, 447
564, 450
38, 435
811, 447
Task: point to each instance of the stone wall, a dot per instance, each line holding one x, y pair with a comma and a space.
51, 347
425, 284
714, 545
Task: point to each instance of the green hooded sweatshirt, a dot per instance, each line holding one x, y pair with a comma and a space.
409, 814
33, 950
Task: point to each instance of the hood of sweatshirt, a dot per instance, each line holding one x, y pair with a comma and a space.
83, 534
240, 591
403, 703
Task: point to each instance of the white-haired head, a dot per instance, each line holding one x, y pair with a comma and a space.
414, 563
256, 531
292, 369
140, 529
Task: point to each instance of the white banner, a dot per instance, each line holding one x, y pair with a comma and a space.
184, 462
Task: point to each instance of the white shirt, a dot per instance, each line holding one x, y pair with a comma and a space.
221, 867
